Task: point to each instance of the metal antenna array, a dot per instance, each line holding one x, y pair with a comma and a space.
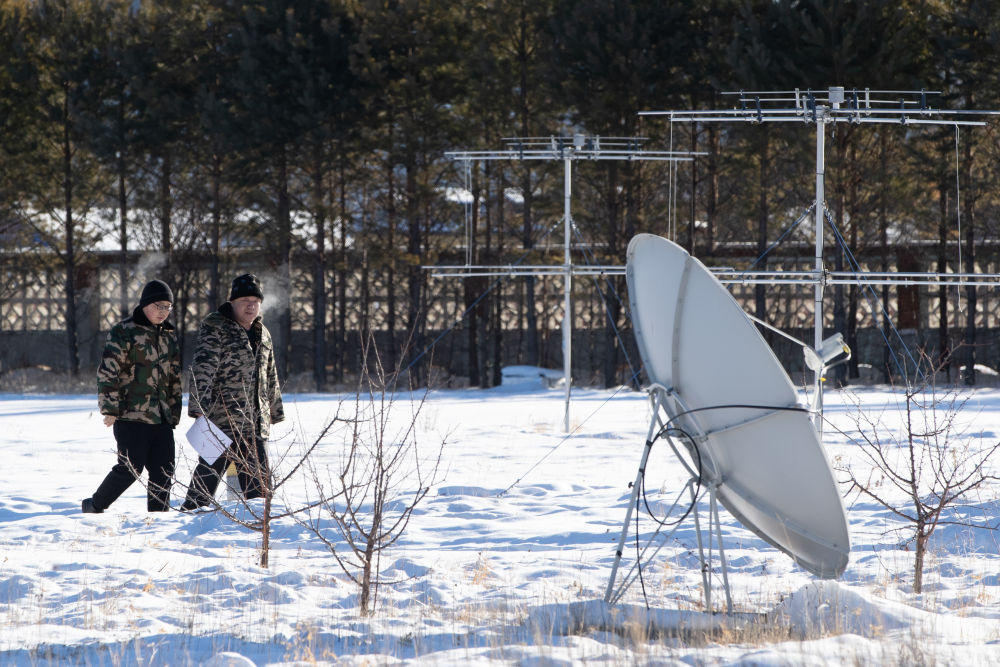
567, 149
828, 107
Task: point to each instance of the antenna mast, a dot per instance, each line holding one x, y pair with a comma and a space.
821, 108
568, 150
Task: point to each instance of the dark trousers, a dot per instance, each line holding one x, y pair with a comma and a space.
251, 469
141, 447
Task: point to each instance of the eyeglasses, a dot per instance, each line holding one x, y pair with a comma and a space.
164, 309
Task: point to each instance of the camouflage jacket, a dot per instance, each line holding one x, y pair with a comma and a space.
139, 378
234, 383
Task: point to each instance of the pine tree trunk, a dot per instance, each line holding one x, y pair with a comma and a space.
944, 348
123, 269
470, 288
340, 348
693, 202
215, 274
166, 209
472, 331
319, 281
390, 274
712, 203
73, 347
760, 298
416, 312
970, 263
883, 235
285, 269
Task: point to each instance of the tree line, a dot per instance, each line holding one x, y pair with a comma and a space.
314, 132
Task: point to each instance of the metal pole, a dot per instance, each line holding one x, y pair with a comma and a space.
820, 278
567, 323
567, 149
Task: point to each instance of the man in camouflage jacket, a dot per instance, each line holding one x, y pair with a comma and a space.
234, 383
139, 394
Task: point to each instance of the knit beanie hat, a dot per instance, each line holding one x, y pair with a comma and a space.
155, 290
246, 285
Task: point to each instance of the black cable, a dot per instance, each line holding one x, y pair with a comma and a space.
649, 511
666, 431
734, 406
664, 523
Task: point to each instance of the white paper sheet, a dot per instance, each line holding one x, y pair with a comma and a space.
208, 439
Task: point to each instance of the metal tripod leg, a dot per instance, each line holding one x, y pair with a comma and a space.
714, 509
714, 524
706, 565
632, 498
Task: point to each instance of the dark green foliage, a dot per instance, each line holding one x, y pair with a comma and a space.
317, 128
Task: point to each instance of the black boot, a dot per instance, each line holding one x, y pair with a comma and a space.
88, 507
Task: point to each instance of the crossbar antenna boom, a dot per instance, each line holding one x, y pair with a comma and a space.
566, 149
822, 107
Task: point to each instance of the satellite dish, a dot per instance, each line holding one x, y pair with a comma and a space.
765, 459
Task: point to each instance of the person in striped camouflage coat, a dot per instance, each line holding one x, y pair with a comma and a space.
234, 383
139, 394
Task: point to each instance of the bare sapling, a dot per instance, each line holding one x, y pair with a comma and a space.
924, 470
259, 474
367, 503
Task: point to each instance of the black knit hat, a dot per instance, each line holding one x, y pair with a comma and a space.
155, 290
246, 285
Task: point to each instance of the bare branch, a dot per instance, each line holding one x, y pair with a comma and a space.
935, 466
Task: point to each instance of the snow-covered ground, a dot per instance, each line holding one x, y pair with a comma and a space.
505, 562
